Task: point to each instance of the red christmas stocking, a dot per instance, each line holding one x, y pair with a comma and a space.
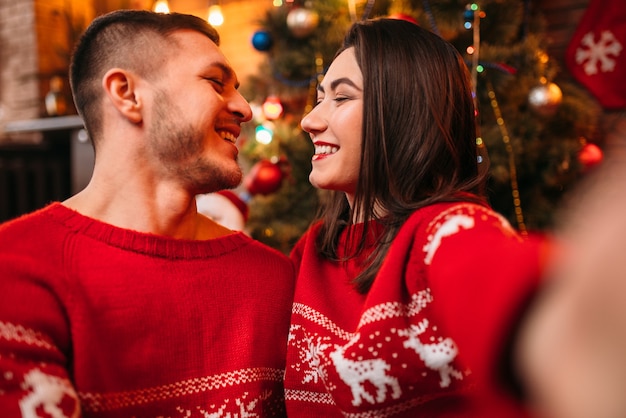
596, 55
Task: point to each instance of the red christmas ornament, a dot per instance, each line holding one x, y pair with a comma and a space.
402, 16
590, 155
264, 178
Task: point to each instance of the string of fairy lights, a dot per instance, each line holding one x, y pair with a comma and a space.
472, 17
506, 139
214, 15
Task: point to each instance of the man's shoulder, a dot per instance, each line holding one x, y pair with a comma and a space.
31, 222
264, 250
30, 239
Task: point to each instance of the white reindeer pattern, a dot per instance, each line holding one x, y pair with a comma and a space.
46, 392
450, 227
356, 373
437, 356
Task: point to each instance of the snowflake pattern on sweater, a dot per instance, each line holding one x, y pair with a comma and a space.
389, 353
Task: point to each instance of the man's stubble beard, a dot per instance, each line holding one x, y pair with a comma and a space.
180, 148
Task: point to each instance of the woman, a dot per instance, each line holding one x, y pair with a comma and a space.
407, 284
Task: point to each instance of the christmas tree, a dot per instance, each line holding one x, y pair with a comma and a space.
534, 124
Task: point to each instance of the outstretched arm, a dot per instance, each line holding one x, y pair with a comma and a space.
571, 348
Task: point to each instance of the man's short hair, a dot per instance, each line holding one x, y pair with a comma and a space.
129, 39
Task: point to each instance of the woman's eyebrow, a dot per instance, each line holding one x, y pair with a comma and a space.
335, 83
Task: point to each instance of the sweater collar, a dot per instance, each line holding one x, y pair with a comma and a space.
145, 243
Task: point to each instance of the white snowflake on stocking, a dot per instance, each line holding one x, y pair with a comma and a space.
598, 53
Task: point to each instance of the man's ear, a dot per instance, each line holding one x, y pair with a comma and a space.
120, 86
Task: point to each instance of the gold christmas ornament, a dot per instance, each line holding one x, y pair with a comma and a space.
545, 99
302, 21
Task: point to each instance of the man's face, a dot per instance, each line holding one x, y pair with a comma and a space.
196, 115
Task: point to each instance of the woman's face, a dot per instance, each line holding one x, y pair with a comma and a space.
335, 126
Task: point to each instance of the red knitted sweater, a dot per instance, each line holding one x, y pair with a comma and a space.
96, 321
425, 339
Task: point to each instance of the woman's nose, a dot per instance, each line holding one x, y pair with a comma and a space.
313, 122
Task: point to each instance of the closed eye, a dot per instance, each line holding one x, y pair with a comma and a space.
217, 82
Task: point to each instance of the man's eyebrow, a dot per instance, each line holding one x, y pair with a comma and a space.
335, 83
229, 74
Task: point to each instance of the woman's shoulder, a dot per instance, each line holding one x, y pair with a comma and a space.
460, 213
306, 241
428, 226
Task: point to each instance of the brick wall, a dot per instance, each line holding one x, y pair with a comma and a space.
19, 89
35, 43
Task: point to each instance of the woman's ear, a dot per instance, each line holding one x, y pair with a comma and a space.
120, 86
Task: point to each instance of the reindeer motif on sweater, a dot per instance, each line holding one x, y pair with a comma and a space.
438, 356
356, 372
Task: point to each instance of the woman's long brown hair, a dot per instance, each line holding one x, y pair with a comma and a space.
418, 139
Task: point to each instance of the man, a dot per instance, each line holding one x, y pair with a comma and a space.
123, 301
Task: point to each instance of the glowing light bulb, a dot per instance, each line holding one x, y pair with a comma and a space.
264, 134
216, 18
272, 108
161, 6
